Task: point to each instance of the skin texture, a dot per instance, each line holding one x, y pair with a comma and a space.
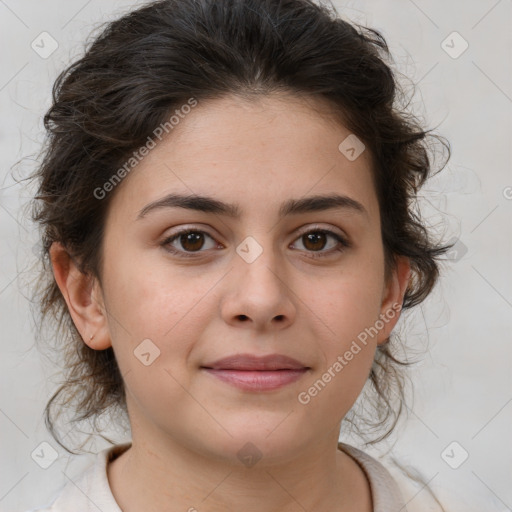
187, 426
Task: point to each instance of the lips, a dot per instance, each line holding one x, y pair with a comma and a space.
248, 362
253, 373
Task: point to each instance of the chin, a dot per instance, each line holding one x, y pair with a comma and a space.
260, 442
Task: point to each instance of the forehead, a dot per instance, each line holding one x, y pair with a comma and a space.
254, 152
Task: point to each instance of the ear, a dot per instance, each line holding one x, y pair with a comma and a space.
83, 297
393, 297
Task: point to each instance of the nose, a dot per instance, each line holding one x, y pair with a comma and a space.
258, 293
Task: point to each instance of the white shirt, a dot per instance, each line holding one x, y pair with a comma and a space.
91, 492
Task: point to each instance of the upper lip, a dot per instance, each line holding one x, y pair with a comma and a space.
251, 362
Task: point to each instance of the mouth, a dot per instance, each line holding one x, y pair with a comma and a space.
253, 373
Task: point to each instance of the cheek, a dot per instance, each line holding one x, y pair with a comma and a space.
146, 302
345, 312
347, 306
154, 320
347, 345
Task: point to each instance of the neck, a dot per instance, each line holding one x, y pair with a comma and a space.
164, 475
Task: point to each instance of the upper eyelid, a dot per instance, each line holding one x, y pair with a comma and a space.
317, 227
302, 231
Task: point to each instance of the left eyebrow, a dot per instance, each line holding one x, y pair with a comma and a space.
291, 207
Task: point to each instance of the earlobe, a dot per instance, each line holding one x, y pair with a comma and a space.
393, 297
83, 298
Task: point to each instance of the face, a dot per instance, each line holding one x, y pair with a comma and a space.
305, 283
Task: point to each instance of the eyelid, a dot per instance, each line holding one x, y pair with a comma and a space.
168, 240
341, 238
318, 227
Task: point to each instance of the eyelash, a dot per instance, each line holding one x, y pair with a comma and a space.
166, 244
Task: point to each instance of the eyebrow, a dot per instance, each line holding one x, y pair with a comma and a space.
291, 207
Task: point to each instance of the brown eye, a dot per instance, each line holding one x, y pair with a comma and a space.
187, 242
316, 241
192, 241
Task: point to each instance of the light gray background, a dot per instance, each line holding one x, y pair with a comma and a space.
463, 388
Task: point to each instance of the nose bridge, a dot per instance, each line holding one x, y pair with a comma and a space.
259, 261
259, 291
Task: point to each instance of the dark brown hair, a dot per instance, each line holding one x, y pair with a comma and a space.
150, 62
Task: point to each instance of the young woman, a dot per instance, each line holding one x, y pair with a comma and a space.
227, 204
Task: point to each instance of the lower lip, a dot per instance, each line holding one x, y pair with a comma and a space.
258, 380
